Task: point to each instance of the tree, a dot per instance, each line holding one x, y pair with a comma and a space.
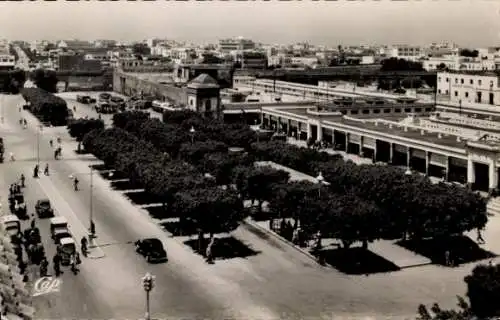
15, 81
222, 165
469, 53
45, 80
80, 127
195, 152
436, 313
211, 209
395, 64
260, 182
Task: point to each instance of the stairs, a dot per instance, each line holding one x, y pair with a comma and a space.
493, 206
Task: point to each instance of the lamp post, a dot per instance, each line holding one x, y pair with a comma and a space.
148, 283
320, 182
38, 132
192, 131
91, 200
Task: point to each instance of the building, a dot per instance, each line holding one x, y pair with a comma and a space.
100, 54
469, 87
252, 60
304, 61
77, 62
237, 44
406, 52
203, 96
74, 45
457, 63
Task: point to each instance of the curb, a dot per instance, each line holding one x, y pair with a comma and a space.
250, 222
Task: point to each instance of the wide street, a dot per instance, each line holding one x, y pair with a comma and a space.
277, 283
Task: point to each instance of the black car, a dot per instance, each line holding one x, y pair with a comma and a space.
152, 249
43, 209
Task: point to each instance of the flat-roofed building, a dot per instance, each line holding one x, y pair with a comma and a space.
236, 44
469, 87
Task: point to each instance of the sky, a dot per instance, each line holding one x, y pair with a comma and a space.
466, 22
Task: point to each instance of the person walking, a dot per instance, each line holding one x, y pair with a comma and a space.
480, 239
35, 171
23, 180
84, 246
46, 170
56, 261
75, 183
51, 143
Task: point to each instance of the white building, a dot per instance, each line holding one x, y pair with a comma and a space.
367, 60
237, 44
458, 63
469, 87
411, 53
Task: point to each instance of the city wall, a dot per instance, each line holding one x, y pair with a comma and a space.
129, 84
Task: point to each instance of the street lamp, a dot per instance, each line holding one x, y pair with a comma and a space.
40, 130
148, 283
192, 131
320, 181
91, 200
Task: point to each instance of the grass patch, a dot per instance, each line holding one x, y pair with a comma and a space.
357, 261
158, 212
462, 249
142, 197
124, 185
223, 248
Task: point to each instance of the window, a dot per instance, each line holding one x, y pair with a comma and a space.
447, 92
428, 109
418, 109
439, 78
466, 94
366, 111
462, 81
447, 79
439, 91
387, 110
376, 111
456, 80
479, 82
397, 110
354, 112
407, 110
456, 93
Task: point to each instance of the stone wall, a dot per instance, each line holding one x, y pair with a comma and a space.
128, 84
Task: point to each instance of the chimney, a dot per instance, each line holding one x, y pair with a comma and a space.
440, 135
422, 132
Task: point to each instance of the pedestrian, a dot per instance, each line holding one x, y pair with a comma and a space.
35, 171
447, 260
84, 246
209, 251
11, 154
44, 265
56, 260
75, 183
46, 170
480, 239
51, 143
23, 179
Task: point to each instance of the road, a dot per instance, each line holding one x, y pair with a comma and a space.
277, 283
110, 287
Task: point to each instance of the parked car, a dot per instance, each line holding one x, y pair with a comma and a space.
43, 209
152, 249
83, 99
104, 97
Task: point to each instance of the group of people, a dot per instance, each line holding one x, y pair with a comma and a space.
23, 123
36, 170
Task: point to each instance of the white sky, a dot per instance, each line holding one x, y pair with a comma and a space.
467, 22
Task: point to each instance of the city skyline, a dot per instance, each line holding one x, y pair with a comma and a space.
469, 23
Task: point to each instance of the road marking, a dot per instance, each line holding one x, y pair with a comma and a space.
73, 220
46, 285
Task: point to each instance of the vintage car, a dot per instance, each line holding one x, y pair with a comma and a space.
11, 224
66, 248
43, 208
58, 223
152, 249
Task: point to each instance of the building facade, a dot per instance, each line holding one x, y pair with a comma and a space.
238, 44
471, 87
411, 53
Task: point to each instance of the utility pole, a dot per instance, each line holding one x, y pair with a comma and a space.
91, 213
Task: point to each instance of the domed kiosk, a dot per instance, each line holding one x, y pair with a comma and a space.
203, 95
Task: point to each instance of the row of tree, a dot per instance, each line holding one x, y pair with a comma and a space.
46, 106
196, 199
422, 209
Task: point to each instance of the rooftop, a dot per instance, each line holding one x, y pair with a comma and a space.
203, 81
